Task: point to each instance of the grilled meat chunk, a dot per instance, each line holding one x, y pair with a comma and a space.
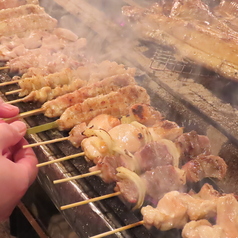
156, 182
20, 11
211, 44
4, 4
175, 209
19, 26
59, 105
202, 229
115, 103
191, 145
205, 166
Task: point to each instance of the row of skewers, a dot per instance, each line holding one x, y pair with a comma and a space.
109, 116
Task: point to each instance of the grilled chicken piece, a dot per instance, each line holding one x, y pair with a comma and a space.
145, 114
100, 122
47, 93
50, 42
14, 46
58, 79
59, 105
205, 166
46, 62
227, 215
154, 183
20, 11
90, 72
19, 26
166, 129
211, 44
191, 145
202, 229
115, 103
142, 112
227, 11
175, 209
127, 139
4, 4
206, 192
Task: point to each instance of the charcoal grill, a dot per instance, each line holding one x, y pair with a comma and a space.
177, 90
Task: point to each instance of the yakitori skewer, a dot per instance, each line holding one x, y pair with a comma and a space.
114, 103
90, 72
92, 76
8, 82
180, 210
13, 92
4, 67
124, 228
102, 121
61, 159
78, 90
90, 200
77, 177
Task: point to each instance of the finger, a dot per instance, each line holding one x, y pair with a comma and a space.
11, 134
8, 110
27, 159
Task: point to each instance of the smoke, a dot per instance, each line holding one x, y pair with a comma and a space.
101, 23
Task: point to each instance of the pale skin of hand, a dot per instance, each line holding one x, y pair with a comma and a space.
17, 165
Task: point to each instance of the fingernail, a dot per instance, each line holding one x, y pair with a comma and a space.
19, 126
8, 107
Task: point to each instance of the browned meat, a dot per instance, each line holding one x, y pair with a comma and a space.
108, 166
156, 182
20, 11
205, 166
60, 104
115, 103
202, 229
145, 114
157, 153
19, 26
167, 130
191, 145
148, 157
211, 44
15, 3
227, 11
102, 121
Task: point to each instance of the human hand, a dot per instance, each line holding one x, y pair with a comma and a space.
7, 110
17, 165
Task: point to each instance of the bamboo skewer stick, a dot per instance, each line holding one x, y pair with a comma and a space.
16, 101
45, 142
13, 92
4, 67
139, 223
25, 114
90, 200
61, 159
77, 177
8, 83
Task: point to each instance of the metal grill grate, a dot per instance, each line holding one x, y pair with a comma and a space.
164, 60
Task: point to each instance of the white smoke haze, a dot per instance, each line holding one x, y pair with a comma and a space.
107, 39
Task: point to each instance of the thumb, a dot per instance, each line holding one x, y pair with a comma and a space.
11, 134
